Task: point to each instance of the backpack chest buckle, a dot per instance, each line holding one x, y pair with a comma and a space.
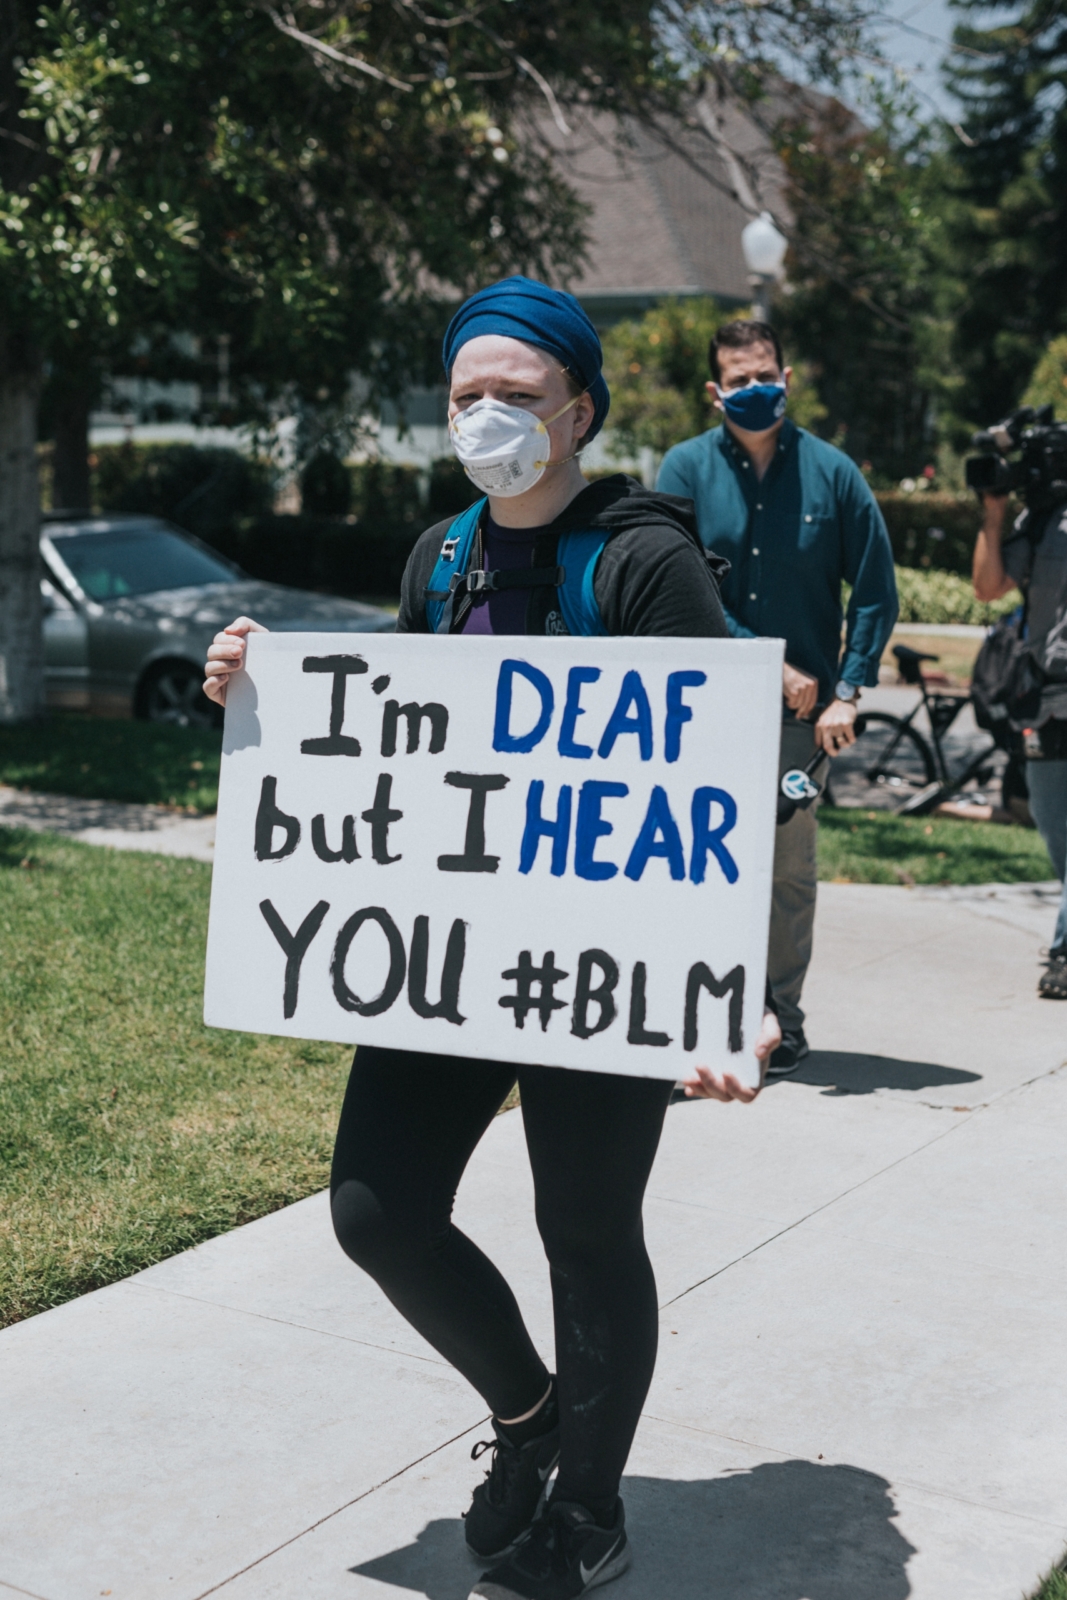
480, 581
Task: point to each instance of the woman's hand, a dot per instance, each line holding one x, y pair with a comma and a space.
226, 654
708, 1085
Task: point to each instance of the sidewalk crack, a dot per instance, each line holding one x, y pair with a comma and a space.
337, 1512
870, 1178
285, 1322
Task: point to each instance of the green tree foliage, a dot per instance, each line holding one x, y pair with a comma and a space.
657, 369
1011, 176
308, 185
871, 301
1048, 381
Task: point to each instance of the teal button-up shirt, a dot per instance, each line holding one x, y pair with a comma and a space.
791, 539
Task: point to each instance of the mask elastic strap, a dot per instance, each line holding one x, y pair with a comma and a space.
542, 427
543, 422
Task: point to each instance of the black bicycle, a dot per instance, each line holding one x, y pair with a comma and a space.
893, 767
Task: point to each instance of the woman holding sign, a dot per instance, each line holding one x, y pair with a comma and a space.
544, 552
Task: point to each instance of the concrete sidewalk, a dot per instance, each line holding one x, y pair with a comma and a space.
160, 829
861, 1392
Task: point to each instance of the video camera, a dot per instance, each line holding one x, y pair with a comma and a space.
1039, 472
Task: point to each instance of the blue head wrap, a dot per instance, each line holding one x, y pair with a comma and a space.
520, 308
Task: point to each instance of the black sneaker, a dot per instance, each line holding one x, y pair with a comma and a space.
1052, 985
564, 1555
511, 1496
789, 1054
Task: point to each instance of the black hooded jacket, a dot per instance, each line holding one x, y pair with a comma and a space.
654, 577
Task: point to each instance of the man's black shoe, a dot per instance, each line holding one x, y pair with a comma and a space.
515, 1486
565, 1554
1052, 985
789, 1054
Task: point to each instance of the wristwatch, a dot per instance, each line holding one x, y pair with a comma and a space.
849, 692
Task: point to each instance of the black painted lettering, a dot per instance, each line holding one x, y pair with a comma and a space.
637, 1033
601, 994
702, 977
335, 743
294, 946
524, 976
380, 816
474, 858
346, 997
269, 817
435, 714
347, 852
451, 971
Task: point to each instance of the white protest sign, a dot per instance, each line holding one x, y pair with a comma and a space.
546, 850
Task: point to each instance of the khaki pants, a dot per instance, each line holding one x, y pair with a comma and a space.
793, 892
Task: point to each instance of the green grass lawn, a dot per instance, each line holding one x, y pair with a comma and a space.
875, 847
100, 759
1054, 1586
128, 1130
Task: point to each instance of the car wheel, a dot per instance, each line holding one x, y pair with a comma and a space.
172, 691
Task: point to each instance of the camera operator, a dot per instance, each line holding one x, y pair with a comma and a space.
1033, 558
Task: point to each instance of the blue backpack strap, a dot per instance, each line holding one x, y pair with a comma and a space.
452, 562
579, 553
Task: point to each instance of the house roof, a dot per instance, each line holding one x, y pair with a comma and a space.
668, 203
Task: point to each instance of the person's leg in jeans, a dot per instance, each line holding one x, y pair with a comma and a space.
592, 1139
409, 1125
794, 889
1047, 783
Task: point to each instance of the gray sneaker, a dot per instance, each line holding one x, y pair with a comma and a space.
1052, 984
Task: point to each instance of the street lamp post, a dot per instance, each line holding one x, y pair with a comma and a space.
764, 251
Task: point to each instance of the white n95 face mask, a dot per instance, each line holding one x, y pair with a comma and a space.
503, 449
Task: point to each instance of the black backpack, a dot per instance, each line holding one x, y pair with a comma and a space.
1006, 682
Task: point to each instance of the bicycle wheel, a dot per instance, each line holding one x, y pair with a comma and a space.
887, 765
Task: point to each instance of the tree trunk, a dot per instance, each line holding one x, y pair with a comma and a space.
70, 461
21, 660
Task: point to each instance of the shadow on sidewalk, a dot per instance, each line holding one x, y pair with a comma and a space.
850, 1072
788, 1530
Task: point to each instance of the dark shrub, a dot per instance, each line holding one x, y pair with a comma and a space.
205, 490
326, 486
931, 530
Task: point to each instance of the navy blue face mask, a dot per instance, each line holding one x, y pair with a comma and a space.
756, 408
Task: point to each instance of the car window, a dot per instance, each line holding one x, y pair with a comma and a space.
127, 562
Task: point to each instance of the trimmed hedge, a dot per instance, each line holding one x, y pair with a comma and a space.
207, 491
225, 499
946, 597
931, 530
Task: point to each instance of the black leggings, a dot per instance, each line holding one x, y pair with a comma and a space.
408, 1127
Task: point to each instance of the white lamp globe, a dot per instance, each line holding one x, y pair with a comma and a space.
763, 246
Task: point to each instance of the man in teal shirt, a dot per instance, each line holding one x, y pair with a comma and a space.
795, 518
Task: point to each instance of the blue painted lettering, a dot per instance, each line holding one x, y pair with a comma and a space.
659, 836
591, 826
503, 738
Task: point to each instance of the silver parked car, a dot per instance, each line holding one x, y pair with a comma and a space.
131, 604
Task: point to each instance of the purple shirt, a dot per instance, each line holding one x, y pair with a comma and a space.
505, 549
